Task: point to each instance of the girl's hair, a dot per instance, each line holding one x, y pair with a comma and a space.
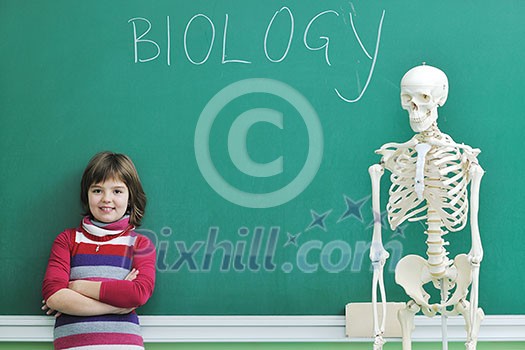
109, 165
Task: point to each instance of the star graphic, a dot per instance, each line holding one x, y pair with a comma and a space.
400, 231
318, 220
292, 239
353, 208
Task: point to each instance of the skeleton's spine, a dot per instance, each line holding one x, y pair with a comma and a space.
436, 252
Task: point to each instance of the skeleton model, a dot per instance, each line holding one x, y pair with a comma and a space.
429, 176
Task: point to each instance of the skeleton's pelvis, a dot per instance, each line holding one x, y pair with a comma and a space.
413, 273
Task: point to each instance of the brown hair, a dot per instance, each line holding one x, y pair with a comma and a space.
109, 165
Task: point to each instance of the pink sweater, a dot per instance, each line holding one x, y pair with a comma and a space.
92, 253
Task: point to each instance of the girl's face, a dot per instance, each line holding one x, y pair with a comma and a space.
108, 201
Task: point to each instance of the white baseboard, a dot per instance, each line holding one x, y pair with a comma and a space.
170, 329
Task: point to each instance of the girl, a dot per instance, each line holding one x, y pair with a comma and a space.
100, 272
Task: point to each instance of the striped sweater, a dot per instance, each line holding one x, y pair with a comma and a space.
104, 254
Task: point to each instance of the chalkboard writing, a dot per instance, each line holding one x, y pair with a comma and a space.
200, 22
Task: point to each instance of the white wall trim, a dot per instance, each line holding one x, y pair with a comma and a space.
267, 329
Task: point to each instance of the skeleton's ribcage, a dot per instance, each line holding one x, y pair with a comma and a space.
445, 181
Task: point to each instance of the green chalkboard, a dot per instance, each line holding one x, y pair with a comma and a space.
253, 124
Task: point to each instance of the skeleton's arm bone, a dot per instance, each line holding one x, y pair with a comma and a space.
377, 251
476, 252
378, 254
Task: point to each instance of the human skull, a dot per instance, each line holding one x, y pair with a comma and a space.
423, 89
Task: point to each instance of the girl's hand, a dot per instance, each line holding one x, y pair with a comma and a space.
87, 288
122, 311
50, 311
132, 275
